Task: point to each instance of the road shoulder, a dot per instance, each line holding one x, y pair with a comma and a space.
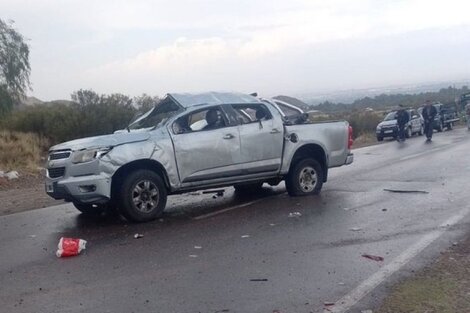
443, 286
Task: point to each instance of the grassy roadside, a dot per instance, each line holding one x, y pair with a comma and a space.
22, 151
443, 287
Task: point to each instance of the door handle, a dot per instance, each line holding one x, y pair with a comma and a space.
275, 131
229, 136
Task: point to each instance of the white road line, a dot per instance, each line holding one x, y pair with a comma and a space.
200, 217
349, 300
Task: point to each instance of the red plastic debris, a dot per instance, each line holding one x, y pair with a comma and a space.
70, 247
373, 257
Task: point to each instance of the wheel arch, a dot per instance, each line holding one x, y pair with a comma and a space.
142, 164
311, 150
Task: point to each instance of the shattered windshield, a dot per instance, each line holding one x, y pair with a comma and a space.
157, 116
390, 116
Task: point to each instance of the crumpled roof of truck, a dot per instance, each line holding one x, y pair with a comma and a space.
191, 99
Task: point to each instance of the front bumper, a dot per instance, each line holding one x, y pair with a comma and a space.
349, 159
83, 182
390, 132
83, 189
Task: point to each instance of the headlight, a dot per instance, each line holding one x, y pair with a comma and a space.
88, 155
379, 128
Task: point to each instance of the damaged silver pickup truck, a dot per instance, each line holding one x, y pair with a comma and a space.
192, 142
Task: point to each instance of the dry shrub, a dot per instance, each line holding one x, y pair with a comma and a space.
21, 151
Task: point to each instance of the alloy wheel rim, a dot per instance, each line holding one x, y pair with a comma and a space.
145, 196
308, 179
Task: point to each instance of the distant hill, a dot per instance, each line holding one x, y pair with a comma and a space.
29, 101
294, 101
33, 101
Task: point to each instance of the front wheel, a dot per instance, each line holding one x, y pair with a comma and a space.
143, 196
305, 178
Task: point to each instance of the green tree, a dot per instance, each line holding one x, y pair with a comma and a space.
14, 66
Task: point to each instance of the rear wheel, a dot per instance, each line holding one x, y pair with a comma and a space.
450, 126
440, 127
305, 178
143, 196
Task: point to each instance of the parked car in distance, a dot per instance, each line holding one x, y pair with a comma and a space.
197, 141
389, 127
445, 118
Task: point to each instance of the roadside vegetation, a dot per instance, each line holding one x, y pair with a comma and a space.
21, 151
442, 287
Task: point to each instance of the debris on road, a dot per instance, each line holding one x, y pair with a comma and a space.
367, 311
259, 279
245, 236
384, 210
341, 283
295, 214
70, 247
193, 256
406, 191
137, 236
373, 257
197, 247
327, 303
10, 175
272, 224
355, 229
346, 209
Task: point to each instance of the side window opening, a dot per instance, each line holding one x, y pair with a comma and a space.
206, 119
251, 113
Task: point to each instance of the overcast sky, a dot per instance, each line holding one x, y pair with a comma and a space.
273, 47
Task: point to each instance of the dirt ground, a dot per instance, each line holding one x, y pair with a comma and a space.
443, 287
23, 194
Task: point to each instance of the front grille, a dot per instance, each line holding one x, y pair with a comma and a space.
59, 155
56, 172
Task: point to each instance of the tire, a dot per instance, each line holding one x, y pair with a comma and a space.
95, 209
440, 128
450, 126
248, 188
143, 196
298, 180
380, 138
408, 133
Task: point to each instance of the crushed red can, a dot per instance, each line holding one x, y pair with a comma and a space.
70, 247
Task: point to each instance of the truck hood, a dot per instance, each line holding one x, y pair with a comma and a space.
102, 141
388, 123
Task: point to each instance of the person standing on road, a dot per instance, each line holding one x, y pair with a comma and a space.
429, 113
402, 119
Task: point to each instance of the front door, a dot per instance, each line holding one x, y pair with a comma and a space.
206, 145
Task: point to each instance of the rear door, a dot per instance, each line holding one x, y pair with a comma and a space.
206, 149
261, 138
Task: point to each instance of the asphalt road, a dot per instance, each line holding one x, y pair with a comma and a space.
245, 254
